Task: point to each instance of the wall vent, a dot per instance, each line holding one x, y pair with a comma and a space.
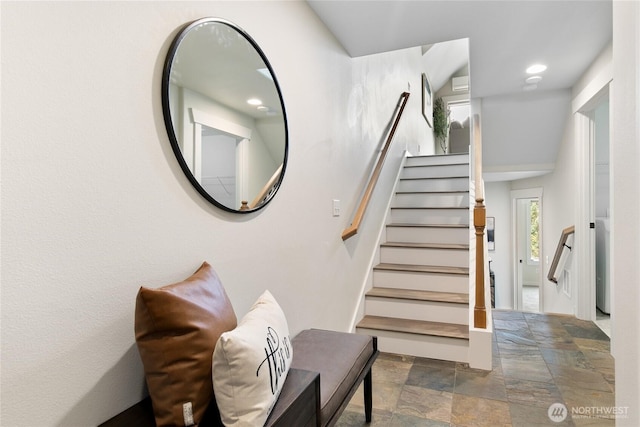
459, 84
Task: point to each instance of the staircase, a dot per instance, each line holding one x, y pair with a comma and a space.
419, 302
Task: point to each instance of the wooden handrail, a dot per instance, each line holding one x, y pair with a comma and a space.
556, 258
352, 230
479, 222
266, 190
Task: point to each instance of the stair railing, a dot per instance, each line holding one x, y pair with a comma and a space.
266, 191
479, 222
562, 243
352, 230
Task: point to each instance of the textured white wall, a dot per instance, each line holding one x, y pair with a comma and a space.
94, 204
498, 204
602, 178
558, 212
625, 207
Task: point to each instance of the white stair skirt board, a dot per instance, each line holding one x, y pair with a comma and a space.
430, 216
420, 233
434, 184
438, 160
424, 256
444, 171
429, 346
430, 311
458, 283
432, 200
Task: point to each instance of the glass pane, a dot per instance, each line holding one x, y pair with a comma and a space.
534, 247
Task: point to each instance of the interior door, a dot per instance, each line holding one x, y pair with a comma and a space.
526, 221
527, 254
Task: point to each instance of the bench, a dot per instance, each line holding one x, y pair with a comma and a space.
178, 328
327, 369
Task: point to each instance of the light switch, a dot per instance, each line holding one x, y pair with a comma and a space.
336, 207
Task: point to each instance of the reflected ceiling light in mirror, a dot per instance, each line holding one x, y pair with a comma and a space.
254, 101
536, 68
528, 88
533, 79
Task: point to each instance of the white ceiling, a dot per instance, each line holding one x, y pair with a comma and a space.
522, 130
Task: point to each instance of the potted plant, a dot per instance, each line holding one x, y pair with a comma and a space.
441, 123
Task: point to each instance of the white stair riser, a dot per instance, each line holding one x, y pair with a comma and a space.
425, 256
418, 310
427, 235
428, 346
437, 184
430, 216
443, 171
437, 160
436, 282
432, 200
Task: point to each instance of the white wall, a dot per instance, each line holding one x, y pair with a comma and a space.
378, 82
625, 176
558, 212
602, 181
94, 204
498, 205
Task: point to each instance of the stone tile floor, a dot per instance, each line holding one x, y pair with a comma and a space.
538, 360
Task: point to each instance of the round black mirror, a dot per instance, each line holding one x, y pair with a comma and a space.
225, 115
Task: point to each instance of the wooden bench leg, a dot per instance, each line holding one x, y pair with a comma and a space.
368, 396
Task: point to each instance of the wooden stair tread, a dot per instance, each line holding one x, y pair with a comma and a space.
458, 246
436, 165
429, 156
434, 177
466, 208
433, 192
429, 225
422, 268
419, 295
419, 327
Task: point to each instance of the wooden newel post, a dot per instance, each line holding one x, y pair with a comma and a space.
479, 221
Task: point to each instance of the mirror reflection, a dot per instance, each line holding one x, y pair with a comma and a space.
446, 65
225, 115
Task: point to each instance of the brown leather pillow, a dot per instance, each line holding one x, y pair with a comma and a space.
177, 327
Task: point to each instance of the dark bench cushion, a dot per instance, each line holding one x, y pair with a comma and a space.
341, 359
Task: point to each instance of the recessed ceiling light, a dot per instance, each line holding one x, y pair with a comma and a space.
254, 101
528, 88
536, 68
262, 108
533, 79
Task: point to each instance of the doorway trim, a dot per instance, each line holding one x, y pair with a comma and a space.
584, 121
528, 193
242, 135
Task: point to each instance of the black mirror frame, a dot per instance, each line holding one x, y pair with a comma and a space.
166, 74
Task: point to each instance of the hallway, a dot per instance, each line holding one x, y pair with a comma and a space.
538, 360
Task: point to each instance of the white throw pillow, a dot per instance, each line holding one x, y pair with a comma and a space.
250, 364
